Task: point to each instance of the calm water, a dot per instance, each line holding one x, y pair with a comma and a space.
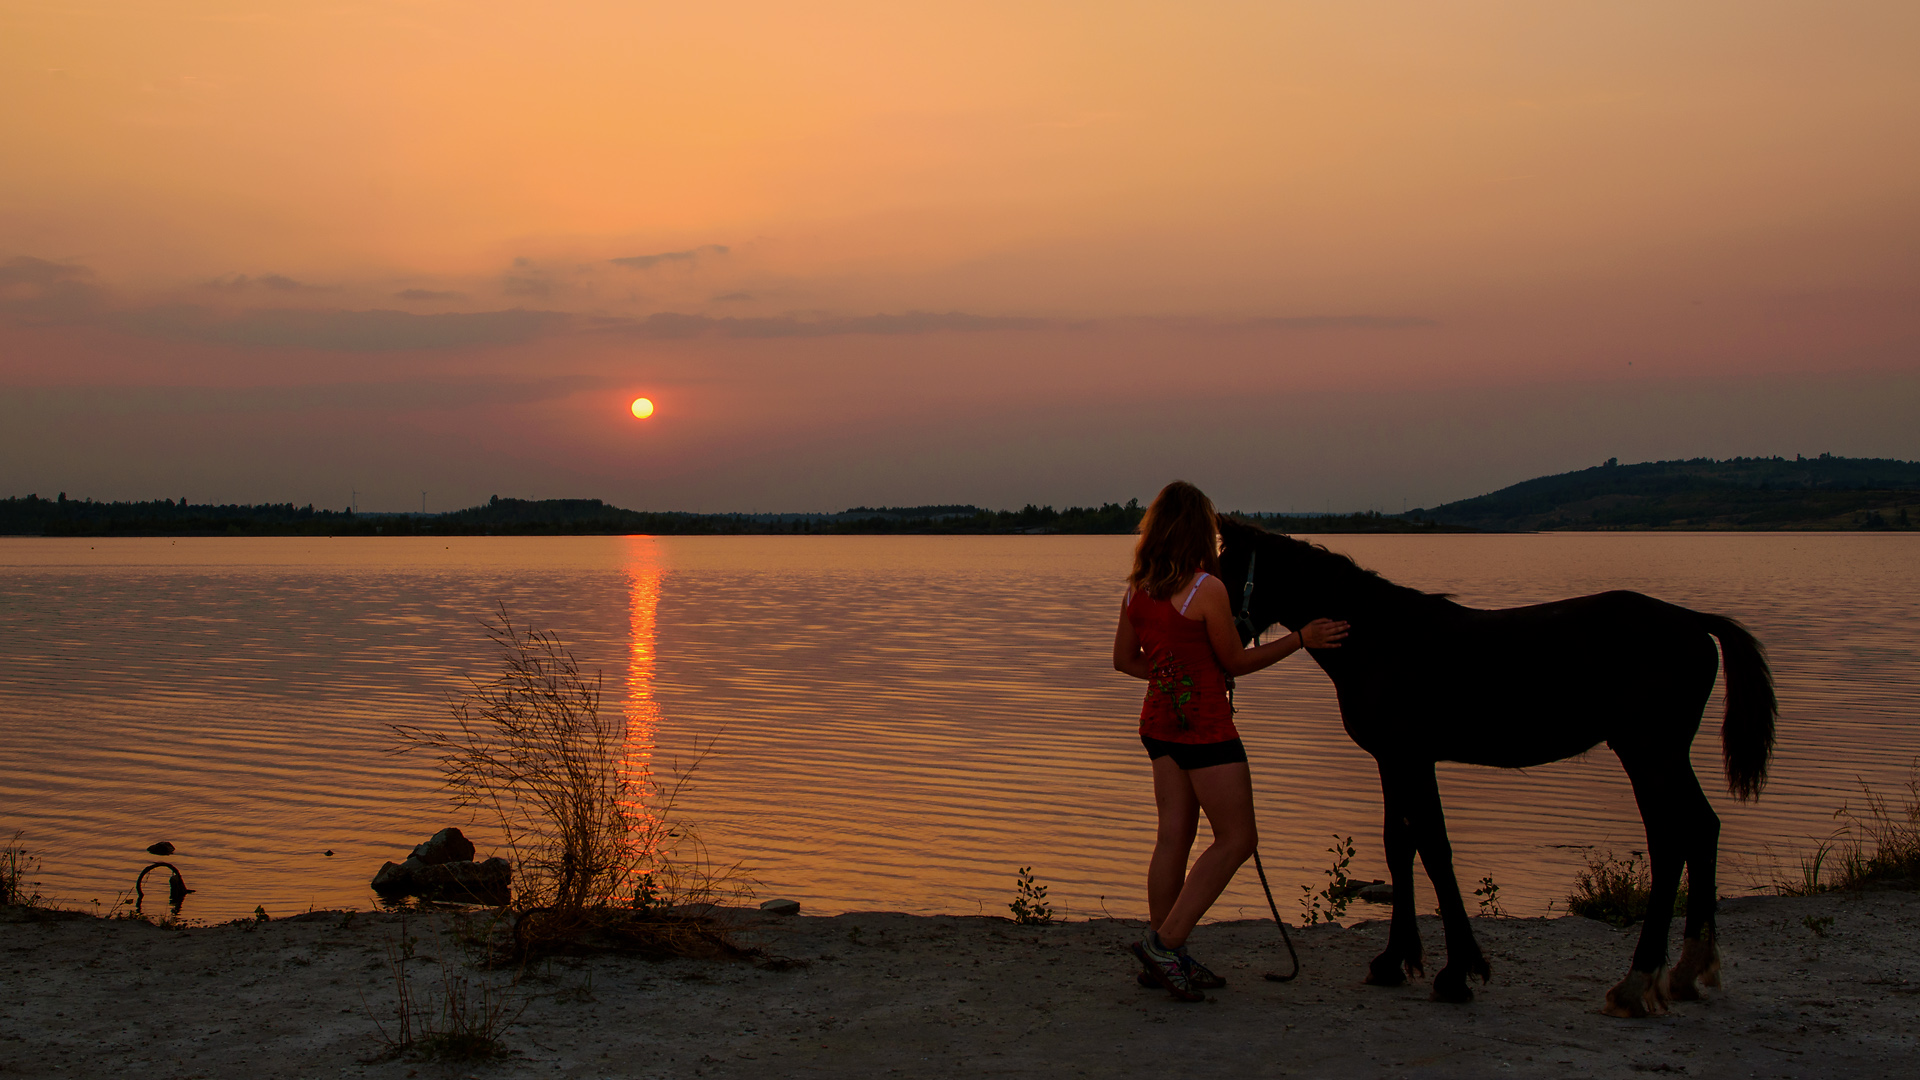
897, 723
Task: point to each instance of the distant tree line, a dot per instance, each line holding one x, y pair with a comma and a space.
61, 516
1700, 493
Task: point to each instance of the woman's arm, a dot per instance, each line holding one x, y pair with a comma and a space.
1127, 656
1212, 605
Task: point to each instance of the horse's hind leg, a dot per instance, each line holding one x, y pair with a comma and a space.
1699, 951
1657, 776
1403, 955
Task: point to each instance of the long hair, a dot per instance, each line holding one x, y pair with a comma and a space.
1179, 537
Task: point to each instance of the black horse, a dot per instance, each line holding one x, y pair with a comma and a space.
1423, 679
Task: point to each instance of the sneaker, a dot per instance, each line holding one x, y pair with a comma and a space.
1167, 970
1199, 976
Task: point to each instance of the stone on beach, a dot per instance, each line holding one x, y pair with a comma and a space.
488, 882
781, 907
443, 869
447, 845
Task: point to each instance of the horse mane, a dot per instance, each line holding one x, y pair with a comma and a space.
1342, 568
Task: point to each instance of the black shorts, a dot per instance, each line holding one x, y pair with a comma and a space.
1196, 755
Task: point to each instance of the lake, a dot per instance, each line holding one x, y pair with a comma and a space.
895, 722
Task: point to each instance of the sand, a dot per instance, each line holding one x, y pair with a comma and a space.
897, 995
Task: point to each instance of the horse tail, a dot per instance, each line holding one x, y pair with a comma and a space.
1746, 737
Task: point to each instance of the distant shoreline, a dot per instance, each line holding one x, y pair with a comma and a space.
1823, 494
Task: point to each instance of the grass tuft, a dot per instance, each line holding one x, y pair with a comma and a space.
16, 867
462, 1019
1878, 843
1616, 890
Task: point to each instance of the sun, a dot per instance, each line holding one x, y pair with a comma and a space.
642, 407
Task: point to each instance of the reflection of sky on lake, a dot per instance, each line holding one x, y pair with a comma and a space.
900, 722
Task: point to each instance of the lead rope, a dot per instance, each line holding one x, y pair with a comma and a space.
1243, 621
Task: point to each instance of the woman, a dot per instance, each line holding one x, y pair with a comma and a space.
1176, 632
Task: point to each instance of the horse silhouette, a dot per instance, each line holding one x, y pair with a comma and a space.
1422, 679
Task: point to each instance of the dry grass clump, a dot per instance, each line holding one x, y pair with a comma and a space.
599, 860
1616, 890
462, 1019
16, 866
1878, 844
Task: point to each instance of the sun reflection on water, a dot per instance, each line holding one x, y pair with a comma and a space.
642, 712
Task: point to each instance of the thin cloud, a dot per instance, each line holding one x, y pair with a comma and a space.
399, 396
675, 326
1343, 322
40, 290
646, 262
270, 282
732, 298
27, 270
525, 280
378, 330
43, 291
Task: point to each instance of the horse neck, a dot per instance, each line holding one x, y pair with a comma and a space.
1310, 584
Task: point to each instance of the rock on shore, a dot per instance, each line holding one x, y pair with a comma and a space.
442, 869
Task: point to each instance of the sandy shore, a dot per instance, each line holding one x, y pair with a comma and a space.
886, 994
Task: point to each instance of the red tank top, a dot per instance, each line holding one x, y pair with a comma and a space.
1187, 691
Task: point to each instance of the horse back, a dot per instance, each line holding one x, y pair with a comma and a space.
1522, 686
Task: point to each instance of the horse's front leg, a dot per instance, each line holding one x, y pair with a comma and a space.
1403, 956
1429, 823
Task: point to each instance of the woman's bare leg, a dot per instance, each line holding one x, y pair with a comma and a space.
1225, 792
1179, 811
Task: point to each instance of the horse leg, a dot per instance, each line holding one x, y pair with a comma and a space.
1656, 785
1403, 956
1429, 825
1699, 951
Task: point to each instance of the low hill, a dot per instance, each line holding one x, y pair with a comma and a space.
1702, 493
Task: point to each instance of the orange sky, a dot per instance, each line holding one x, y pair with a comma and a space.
998, 253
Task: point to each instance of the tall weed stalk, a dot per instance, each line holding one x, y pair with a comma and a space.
594, 842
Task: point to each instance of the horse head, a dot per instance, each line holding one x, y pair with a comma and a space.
1281, 592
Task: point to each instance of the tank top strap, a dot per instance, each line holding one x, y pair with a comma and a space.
1190, 592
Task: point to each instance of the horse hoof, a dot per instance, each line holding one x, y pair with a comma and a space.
1699, 961
1451, 987
1640, 994
1385, 971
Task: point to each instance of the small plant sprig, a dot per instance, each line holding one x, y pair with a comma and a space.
1819, 926
1030, 907
1489, 894
1331, 902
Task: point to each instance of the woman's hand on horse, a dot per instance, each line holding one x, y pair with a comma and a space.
1323, 634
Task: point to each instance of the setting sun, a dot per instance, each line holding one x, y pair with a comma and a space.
642, 407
